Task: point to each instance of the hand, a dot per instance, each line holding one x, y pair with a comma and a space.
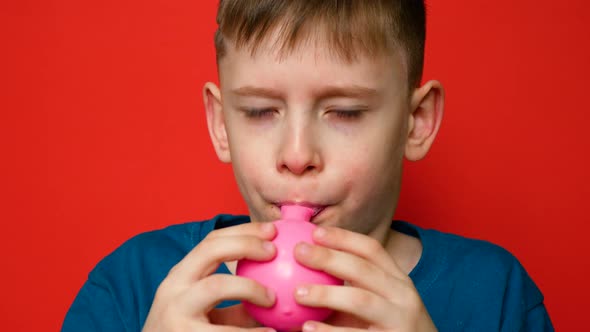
377, 295
186, 298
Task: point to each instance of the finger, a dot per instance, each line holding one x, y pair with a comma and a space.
313, 326
206, 257
263, 230
210, 291
359, 245
346, 266
358, 302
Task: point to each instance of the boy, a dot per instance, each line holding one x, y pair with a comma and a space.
318, 104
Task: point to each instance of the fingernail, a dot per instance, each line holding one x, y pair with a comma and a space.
270, 294
303, 248
302, 291
268, 246
267, 227
320, 232
309, 327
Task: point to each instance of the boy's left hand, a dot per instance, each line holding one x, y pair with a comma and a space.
377, 295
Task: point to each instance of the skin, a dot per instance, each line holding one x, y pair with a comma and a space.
279, 119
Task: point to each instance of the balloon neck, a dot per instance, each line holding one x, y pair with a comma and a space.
296, 212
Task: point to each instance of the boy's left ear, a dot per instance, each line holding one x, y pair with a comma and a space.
427, 106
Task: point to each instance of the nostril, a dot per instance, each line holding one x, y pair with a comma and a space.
299, 163
298, 168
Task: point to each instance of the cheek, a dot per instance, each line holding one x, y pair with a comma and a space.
248, 172
370, 174
361, 176
247, 169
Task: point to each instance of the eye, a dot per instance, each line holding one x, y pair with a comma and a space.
258, 113
348, 114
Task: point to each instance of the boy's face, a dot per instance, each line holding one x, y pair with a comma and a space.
311, 129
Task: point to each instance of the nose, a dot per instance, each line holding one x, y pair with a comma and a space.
299, 150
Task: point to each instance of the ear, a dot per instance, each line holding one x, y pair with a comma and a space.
216, 121
427, 105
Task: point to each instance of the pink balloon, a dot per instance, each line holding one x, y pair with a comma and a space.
283, 274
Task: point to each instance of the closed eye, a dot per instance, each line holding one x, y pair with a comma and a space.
347, 114
258, 113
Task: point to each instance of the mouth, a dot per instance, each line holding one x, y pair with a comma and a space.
317, 208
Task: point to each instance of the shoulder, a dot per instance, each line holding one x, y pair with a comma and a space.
461, 278
156, 252
120, 289
468, 253
451, 253
481, 265
459, 252
168, 244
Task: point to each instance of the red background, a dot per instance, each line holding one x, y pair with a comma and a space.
104, 136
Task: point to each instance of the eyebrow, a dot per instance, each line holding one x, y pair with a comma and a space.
350, 91
253, 91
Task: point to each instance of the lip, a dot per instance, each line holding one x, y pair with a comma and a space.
317, 208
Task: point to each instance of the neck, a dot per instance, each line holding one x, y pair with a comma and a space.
405, 250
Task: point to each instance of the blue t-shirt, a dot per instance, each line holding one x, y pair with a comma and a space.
466, 285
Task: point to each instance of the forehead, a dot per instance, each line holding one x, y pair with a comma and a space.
309, 64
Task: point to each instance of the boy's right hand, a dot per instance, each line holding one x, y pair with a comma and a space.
186, 298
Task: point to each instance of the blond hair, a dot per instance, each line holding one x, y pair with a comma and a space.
352, 27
